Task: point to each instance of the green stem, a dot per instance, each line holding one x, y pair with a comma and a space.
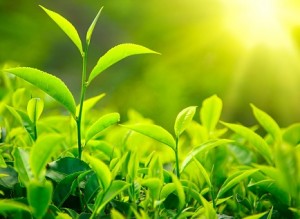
82, 96
35, 131
177, 159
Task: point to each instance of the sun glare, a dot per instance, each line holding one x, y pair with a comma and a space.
256, 22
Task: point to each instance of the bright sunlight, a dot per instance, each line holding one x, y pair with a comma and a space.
257, 22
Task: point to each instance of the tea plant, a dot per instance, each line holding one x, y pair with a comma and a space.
83, 166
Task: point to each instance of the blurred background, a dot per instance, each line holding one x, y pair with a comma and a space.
245, 51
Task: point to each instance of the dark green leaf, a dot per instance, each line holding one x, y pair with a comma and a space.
183, 119
48, 83
66, 26
9, 177
62, 167
154, 131
116, 54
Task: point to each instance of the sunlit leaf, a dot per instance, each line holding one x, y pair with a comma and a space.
154, 131
183, 119
116, 54
232, 181
210, 212
101, 124
66, 26
91, 28
115, 188
203, 172
61, 215
256, 216
292, 134
116, 215
154, 185
101, 170
210, 112
50, 84
41, 153
7, 205
180, 192
166, 190
267, 122
256, 140
202, 148
39, 196
21, 164
35, 108
90, 103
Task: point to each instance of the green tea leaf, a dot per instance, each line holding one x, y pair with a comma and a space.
210, 212
66, 26
101, 124
89, 104
91, 28
7, 205
116, 54
61, 215
235, 179
21, 164
180, 192
210, 112
256, 140
183, 119
155, 132
292, 134
256, 216
166, 190
116, 215
202, 148
154, 185
203, 172
41, 153
35, 108
39, 195
48, 83
101, 170
267, 122
23, 119
116, 188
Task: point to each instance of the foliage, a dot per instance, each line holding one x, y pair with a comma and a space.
137, 169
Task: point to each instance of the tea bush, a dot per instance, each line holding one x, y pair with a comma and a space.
77, 162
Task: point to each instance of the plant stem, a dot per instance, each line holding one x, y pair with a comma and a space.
177, 159
82, 96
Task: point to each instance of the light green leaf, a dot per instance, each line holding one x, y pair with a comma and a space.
292, 134
180, 192
102, 171
101, 124
256, 140
235, 179
203, 172
210, 112
116, 54
48, 83
183, 119
256, 216
116, 188
91, 28
90, 103
61, 215
7, 205
66, 26
167, 190
202, 148
39, 195
155, 132
154, 185
21, 164
116, 215
35, 108
267, 122
210, 212
41, 152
